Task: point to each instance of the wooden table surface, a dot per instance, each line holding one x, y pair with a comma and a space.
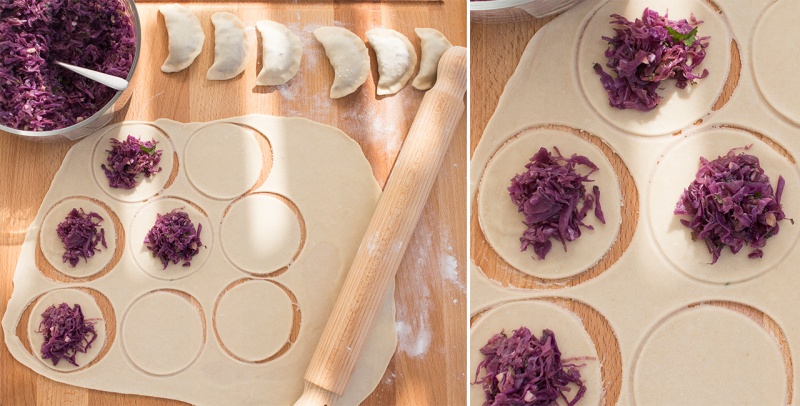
429, 365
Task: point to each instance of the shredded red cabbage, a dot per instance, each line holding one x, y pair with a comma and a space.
731, 203
552, 196
525, 370
128, 158
81, 232
174, 238
36, 94
66, 333
645, 52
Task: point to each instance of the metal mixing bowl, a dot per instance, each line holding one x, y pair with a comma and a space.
508, 11
105, 114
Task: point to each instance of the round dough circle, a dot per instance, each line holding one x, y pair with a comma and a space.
679, 108
53, 247
223, 160
770, 68
144, 221
255, 308
501, 221
91, 311
145, 187
537, 315
260, 234
678, 168
162, 333
681, 361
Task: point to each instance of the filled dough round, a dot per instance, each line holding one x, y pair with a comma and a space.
502, 223
91, 311
772, 67
163, 332
223, 160
145, 187
537, 315
260, 234
255, 308
53, 247
709, 355
679, 108
144, 221
674, 174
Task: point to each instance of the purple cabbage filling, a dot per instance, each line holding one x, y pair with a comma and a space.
81, 233
552, 196
645, 52
36, 94
128, 158
66, 333
174, 238
526, 370
732, 204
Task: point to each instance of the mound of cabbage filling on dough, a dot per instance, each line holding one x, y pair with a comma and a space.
66, 333
645, 52
553, 198
173, 238
526, 370
731, 203
36, 94
129, 158
80, 232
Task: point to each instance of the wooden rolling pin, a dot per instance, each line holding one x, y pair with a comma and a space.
388, 234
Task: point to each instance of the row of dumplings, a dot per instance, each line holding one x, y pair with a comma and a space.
282, 52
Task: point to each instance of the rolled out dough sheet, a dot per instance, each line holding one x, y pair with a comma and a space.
171, 324
655, 296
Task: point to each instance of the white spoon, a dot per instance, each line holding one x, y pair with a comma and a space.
100, 77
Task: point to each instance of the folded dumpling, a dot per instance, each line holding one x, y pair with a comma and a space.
348, 56
281, 51
231, 47
396, 59
185, 34
434, 45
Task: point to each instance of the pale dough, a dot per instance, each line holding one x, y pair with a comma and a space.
223, 160
162, 333
674, 174
232, 45
502, 224
186, 37
661, 269
572, 339
396, 59
146, 219
255, 308
91, 312
709, 352
335, 204
679, 108
260, 234
773, 70
434, 45
282, 51
145, 187
53, 247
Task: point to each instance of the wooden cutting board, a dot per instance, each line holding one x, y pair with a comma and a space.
429, 366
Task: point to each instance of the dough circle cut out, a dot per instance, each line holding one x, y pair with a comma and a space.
145, 187
53, 248
501, 221
91, 311
144, 221
254, 308
678, 168
537, 315
771, 69
163, 332
679, 108
709, 355
260, 234
223, 160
